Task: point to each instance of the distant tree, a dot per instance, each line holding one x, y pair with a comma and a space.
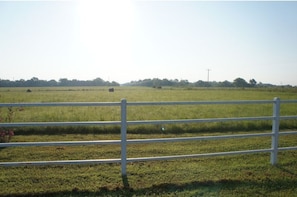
156, 82
35, 79
64, 82
201, 83
5, 83
98, 81
20, 83
33, 82
240, 82
166, 82
225, 84
114, 83
253, 82
184, 82
52, 82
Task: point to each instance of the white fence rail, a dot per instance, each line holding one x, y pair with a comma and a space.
275, 118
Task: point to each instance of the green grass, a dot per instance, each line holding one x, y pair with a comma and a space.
100, 94
240, 175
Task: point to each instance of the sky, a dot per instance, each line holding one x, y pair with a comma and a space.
129, 40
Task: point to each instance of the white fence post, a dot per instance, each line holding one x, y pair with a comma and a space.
275, 130
124, 136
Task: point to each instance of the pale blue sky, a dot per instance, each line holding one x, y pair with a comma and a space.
131, 40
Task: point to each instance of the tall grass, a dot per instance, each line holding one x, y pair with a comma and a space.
100, 94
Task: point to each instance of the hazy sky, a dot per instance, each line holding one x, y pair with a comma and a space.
130, 40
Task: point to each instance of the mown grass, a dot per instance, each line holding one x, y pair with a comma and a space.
241, 175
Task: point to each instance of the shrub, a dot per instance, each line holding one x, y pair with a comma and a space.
6, 134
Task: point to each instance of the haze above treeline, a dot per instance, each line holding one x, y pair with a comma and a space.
155, 82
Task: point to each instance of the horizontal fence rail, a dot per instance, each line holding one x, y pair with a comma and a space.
61, 104
197, 120
123, 123
43, 124
200, 102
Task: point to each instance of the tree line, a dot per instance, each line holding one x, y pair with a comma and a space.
35, 82
157, 83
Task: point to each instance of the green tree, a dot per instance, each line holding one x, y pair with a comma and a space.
240, 82
253, 82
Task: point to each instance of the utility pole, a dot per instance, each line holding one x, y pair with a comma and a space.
208, 74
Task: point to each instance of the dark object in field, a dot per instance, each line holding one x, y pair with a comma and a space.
111, 90
158, 87
29, 90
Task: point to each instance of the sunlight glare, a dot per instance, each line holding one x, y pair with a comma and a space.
105, 30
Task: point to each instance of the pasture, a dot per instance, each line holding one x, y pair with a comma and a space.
246, 175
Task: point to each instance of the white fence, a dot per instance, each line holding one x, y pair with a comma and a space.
275, 118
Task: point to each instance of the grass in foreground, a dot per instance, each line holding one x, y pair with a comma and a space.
242, 175
249, 175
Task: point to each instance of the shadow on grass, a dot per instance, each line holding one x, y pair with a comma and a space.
282, 168
200, 187
152, 129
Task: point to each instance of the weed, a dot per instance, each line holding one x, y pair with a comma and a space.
7, 133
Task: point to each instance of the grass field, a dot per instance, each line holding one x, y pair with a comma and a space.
242, 175
100, 94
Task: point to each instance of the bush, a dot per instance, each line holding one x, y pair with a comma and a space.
6, 135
